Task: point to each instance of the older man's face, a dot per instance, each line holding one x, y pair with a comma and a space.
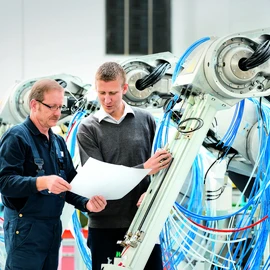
45, 116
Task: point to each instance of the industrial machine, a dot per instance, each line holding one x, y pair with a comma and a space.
16, 107
213, 75
214, 96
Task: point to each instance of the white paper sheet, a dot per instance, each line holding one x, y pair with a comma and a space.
109, 180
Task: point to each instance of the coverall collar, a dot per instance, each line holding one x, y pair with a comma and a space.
34, 130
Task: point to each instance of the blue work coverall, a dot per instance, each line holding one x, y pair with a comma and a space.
32, 226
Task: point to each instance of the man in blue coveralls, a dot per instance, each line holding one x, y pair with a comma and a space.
35, 174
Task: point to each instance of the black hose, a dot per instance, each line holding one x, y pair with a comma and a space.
260, 56
153, 77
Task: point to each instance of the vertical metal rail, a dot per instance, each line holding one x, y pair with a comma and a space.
148, 222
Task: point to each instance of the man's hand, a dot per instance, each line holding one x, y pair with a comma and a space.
53, 183
96, 204
160, 160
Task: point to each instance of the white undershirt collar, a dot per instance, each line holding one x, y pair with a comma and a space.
102, 115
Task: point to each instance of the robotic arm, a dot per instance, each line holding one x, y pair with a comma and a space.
214, 75
228, 69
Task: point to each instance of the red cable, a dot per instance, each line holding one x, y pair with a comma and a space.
231, 230
124, 251
72, 126
210, 229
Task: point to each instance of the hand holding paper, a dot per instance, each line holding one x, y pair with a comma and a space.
96, 204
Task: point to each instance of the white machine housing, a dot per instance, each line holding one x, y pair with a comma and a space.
16, 107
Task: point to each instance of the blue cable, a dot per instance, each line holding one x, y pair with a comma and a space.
183, 58
258, 241
267, 264
81, 243
257, 194
180, 253
71, 143
230, 135
164, 125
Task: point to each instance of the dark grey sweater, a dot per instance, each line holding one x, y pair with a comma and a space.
128, 143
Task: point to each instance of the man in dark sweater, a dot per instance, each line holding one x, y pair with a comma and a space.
118, 134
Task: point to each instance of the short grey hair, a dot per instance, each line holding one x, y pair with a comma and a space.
41, 87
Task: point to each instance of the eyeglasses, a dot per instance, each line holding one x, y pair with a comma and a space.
52, 108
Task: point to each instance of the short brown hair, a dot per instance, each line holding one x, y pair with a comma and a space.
110, 71
41, 87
